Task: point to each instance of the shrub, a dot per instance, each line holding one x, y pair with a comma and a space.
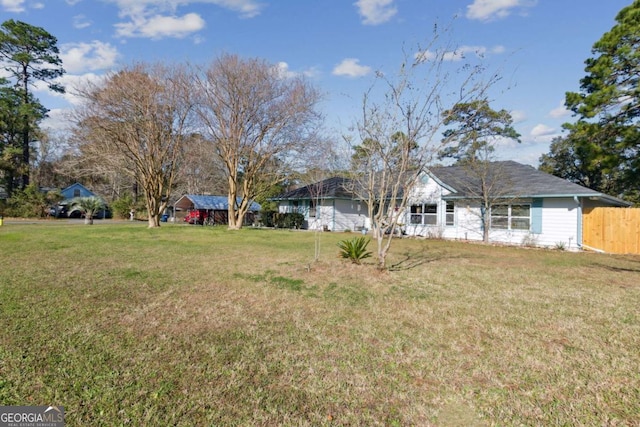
122, 206
31, 202
282, 220
354, 249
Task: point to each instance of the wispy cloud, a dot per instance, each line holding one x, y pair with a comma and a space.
13, 5
350, 67
559, 111
542, 130
487, 10
159, 27
83, 57
376, 12
286, 73
158, 19
460, 53
518, 116
81, 21
73, 84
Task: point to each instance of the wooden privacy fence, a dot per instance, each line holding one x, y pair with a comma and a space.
611, 230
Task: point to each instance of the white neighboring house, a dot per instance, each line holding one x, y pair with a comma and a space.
530, 207
326, 205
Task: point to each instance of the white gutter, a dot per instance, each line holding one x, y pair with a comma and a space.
600, 251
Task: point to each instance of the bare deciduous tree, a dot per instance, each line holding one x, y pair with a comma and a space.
201, 172
136, 123
395, 138
258, 120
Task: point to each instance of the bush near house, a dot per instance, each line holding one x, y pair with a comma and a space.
290, 220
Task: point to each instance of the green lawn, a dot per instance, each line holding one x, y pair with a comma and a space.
188, 325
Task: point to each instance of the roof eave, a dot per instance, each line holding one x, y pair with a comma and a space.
592, 196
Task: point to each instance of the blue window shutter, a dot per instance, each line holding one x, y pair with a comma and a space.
536, 216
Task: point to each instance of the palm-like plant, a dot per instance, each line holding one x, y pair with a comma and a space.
89, 206
354, 249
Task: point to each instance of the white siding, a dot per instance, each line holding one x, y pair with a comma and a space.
347, 215
560, 222
426, 192
339, 215
560, 219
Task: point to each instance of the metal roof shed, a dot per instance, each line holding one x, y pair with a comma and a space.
213, 203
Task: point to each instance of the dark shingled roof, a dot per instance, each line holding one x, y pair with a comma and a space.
512, 179
330, 188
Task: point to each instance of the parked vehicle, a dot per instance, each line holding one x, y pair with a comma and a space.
196, 216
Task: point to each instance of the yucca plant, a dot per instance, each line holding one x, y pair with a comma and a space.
89, 206
354, 249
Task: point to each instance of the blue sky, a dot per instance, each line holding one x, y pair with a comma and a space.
539, 46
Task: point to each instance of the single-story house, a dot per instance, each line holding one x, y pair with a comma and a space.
200, 207
326, 205
63, 209
528, 206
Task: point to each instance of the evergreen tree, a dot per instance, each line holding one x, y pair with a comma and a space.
605, 141
29, 54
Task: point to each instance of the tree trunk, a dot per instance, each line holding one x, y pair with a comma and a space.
486, 224
154, 221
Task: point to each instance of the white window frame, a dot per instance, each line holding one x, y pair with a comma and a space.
510, 217
313, 208
450, 214
424, 212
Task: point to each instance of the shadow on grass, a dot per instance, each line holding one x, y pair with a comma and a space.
412, 260
618, 269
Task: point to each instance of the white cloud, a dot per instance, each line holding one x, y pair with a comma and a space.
158, 18
459, 53
518, 116
376, 12
136, 8
37, 5
80, 22
284, 72
559, 111
73, 84
350, 67
542, 130
72, 2
82, 57
487, 10
57, 120
13, 5
247, 8
158, 27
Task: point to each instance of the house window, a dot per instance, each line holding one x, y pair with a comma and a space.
76, 192
511, 217
312, 208
424, 214
450, 218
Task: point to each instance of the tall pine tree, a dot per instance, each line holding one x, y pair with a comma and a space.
29, 54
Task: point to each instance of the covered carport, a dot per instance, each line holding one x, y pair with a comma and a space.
216, 207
